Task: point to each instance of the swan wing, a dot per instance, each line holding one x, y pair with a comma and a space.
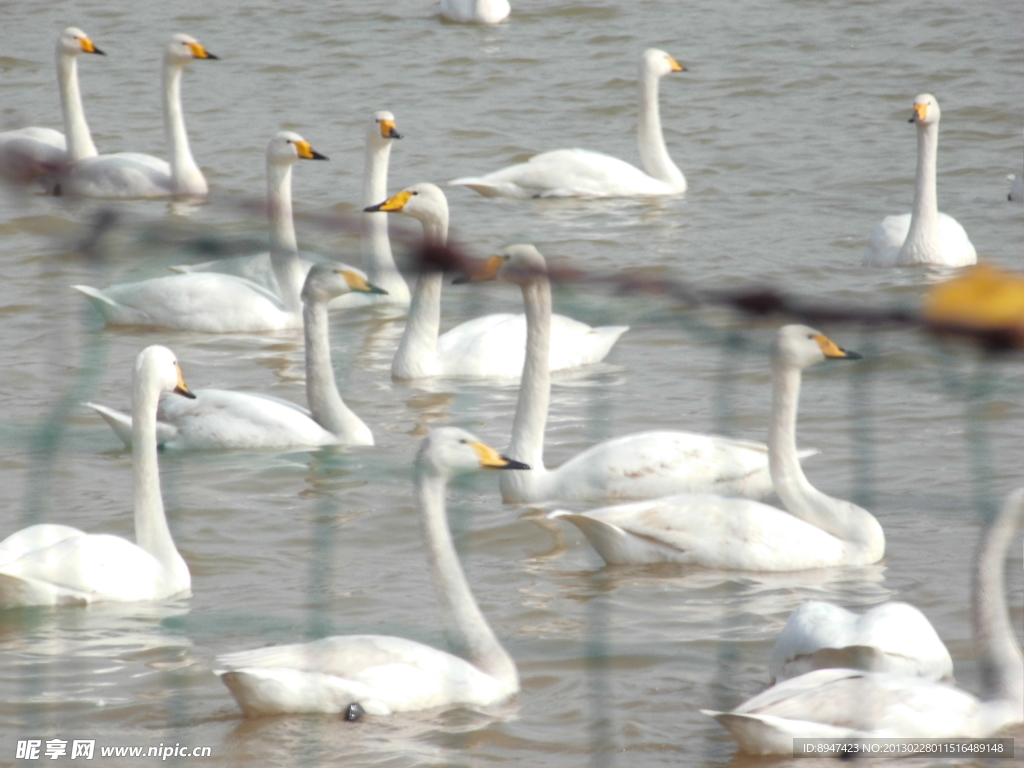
121, 423
33, 538
28, 153
475, 11
886, 240
957, 250
119, 175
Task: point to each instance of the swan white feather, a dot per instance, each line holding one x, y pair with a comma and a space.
476, 11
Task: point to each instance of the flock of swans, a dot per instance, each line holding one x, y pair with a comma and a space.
675, 495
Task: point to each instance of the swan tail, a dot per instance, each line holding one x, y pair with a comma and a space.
121, 423
771, 735
482, 186
807, 452
21, 592
97, 297
180, 269
607, 336
614, 544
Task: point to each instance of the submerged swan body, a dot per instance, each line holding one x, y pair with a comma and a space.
476, 11
852, 704
58, 565
924, 236
215, 303
385, 674
581, 173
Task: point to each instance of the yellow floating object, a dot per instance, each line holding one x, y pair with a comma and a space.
983, 297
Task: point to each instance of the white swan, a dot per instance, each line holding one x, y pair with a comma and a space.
29, 153
892, 637
383, 674
133, 174
476, 11
378, 262
56, 564
851, 704
219, 418
1016, 187
581, 173
493, 345
215, 303
924, 236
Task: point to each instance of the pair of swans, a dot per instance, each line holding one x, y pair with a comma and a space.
382, 674
476, 11
924, 236
582, 173
493, 345
218, 418
56, 564
853, 704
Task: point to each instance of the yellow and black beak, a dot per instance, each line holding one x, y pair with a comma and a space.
487, 269
830, 349
393, 204
920, 113
199, 52
388, 130
675, 65
491, 459
359, 283
182, 387
306, 152
88, 46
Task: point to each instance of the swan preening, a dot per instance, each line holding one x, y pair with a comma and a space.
218, 418
853, 704
476, 11
729, 533
218, 303
56, 564
924, 236
27, 154
582, 173
493, 345
385, 674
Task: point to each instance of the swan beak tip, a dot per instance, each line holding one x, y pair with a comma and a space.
97, 50
318, 156
852, 355
184, 391
372, 208
513, 464
212, 56
832, 350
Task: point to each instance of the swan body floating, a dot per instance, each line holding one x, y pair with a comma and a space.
853, 704
475, 11
29, 153
58, 565
384, 674
219, 418
126, 175
925, 236
581, 173
892, 637
216, 303
493, 345
378, 260
742, 534
1016, 187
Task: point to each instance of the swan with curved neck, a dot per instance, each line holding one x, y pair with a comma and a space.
216, 303
924, 236
581, 173
29, 153
493, 345
219, 418
475, 11
851, 704
135, 175
58, 565
383, 674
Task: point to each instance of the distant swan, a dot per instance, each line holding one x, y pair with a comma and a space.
219, 418
133, 174
215, 303
56, 564
581, 173
924, 236
29, 153
851, 704
476, 11
382, 674
493, 345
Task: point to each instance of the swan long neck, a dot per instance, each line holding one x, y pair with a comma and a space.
925, 214
76, 129
650, 140
417, 351
284, 248
186, 178
378, 261
325, 402
462, 615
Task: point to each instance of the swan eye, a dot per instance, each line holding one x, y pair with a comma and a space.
464, 441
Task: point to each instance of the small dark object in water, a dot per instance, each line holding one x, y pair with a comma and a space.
354, 712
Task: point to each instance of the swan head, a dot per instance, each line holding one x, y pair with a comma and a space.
183, 48
423, 201
521, 263
325, 281
382, 128
159, 366
73, 41
659, 63
798, 346
287, 147
449, 451
926, 110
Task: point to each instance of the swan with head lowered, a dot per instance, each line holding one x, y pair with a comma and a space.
133, 174
380, 674
854, 704
581, 173
27, 154
216, 303
493, 345
476, 11
56, 564
924, 236
218, 418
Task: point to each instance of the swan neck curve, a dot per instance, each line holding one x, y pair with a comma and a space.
186, 178
650, 140
925, 215
417, 351
325, 402
76, 129
378, 260
284, 248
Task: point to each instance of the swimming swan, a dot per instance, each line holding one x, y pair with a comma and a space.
383, 674
892, 637
133, 174
493, 345
581, 173
851, 704
924, 236
56, 564
475, 11
219, 418
215, 303
28, 153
